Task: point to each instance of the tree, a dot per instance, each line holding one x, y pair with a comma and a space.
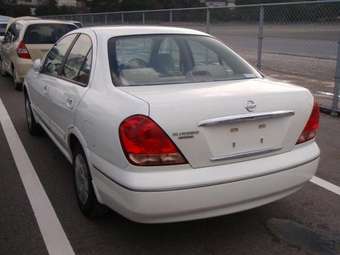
102, 5
48, 8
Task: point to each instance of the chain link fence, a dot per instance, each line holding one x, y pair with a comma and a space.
297, 38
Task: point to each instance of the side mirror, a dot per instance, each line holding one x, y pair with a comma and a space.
37, 65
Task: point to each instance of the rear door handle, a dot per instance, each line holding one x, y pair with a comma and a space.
69, 102
45, 89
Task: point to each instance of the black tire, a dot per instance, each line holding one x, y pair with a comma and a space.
32, 126
89, 204
2, 71
17, 85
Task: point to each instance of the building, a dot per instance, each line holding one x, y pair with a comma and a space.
70, 3
218, 3
214, 3
35, 3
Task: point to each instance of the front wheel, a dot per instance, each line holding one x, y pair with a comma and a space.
86, 196
32, 125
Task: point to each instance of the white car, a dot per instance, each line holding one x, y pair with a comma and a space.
167, 124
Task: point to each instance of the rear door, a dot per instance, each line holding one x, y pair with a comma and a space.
65, 94
39, 38
47, 77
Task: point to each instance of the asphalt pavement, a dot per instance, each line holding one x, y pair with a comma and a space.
249, 232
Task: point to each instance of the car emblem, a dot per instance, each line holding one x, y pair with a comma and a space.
250, 106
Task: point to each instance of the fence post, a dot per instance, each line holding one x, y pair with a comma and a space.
92, 19
143, 17
122, 17
170, 17
337, 84
105, 17
82, 20
260, 38
208, 21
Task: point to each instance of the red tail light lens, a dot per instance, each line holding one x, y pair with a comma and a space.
22, 51
146, 144
309, 132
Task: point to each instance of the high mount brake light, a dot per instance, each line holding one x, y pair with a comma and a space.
146, 144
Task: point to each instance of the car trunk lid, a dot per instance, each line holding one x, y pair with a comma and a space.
38, 50
225, 122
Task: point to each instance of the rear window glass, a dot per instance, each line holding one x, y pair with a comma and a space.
2, 29
46, 33
173, 59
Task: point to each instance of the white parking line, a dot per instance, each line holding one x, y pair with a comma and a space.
51, 230
326, 185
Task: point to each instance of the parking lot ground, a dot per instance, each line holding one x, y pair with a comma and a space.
240, 233
18, 229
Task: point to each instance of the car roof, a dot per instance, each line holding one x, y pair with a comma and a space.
43, 21
114, 31
12, 20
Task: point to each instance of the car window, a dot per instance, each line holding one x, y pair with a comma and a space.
132, 53
55, 56
173, 59
13, 32
46, 33
78, 63
16, 31
10, 33
206, 59
85, 71
169, 54
2, 29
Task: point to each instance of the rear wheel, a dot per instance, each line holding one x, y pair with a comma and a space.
32, 125
86, 196
17, 84
2, 69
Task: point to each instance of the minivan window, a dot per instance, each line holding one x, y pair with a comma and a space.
55, 56
13, 32
173, 59
78, 63
2, 29
46, 33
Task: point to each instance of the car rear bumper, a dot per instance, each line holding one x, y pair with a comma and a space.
205, 201
22, 67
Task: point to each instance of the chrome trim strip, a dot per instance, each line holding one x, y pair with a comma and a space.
206, 185
245, 117
245, 154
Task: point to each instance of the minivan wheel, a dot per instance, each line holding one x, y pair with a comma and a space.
17, 85
2, 69
86, 196
32, 125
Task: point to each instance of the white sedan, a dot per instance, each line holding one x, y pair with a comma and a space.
167, 124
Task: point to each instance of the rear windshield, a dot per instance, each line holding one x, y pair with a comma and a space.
173, 59
2, 29
46, 33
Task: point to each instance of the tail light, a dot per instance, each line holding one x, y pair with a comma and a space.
146, 144
309, 132
22, 51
